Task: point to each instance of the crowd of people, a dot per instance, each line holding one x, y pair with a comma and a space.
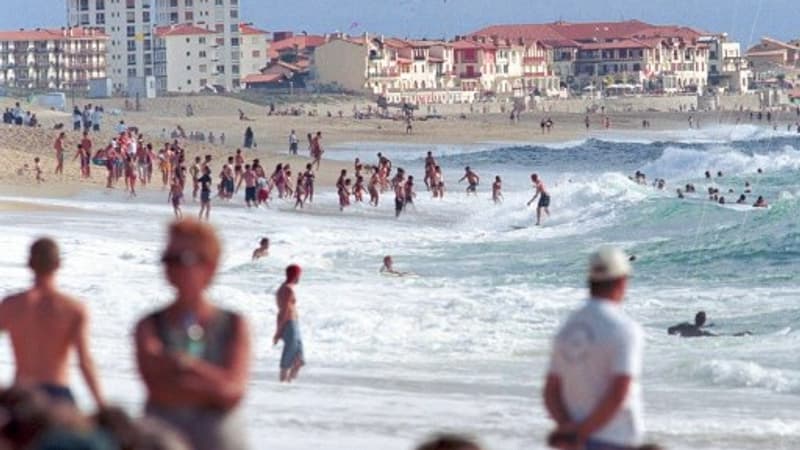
713, 190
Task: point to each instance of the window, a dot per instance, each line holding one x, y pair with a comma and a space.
173, 17
148, 72
131, 59
220, 69
131, 72
219, 28
201, 40
173, 3
148, 45
148, 59
189, 16
131, 45
188, 81
187, 2
100, 4
234, 42
203, 68
188, 54
203, 82
188, 68
202, 54
234, 14
131, 31
146, 16
256, 54
234, 28
100, 18
235, 69
218, 2
130, 4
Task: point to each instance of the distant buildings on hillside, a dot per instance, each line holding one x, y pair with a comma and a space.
185, 46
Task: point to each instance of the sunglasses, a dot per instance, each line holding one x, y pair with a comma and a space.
183, 259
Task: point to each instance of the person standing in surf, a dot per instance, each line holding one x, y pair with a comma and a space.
473, 179
288, 327
205, 193
593, 387
544, 198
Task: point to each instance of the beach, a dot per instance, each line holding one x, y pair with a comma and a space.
463, 344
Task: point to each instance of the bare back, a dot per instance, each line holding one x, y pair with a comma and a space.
43, 327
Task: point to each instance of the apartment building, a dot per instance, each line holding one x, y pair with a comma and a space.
624, 54
130, 25
63, 59
403, 71
184, 58
254, 48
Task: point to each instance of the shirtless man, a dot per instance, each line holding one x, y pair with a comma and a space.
497, 190
473, 179
288, 328
373, 186
262, 251
316, 149
237, 168
45, 325
544, 198
249, 180
86, 144
58, 146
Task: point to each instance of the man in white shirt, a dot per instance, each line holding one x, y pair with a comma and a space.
592, 388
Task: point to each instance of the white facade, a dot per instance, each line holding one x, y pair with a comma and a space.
52, 58
130, 25
184, 58
255, 50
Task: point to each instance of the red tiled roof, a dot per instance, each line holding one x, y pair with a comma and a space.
626, 44
396, 43
246, 29
262, 78
51, 34
598, 30
530, 31
302, 42
183, 29
467, 44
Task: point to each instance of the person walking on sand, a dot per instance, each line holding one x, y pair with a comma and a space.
544, 198
592, 389
194, 357
45, 325
288, 328
292, 143
58, 146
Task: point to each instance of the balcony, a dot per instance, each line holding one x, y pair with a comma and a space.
385, 73
469, 76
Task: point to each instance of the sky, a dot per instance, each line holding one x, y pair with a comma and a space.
744, 20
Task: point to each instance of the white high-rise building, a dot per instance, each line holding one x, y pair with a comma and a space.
131, 23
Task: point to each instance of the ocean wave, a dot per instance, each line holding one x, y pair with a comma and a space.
747, 374
678, 163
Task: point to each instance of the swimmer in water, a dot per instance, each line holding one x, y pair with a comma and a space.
689, 330
473, 179
388, 267
760, 202
262, 251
